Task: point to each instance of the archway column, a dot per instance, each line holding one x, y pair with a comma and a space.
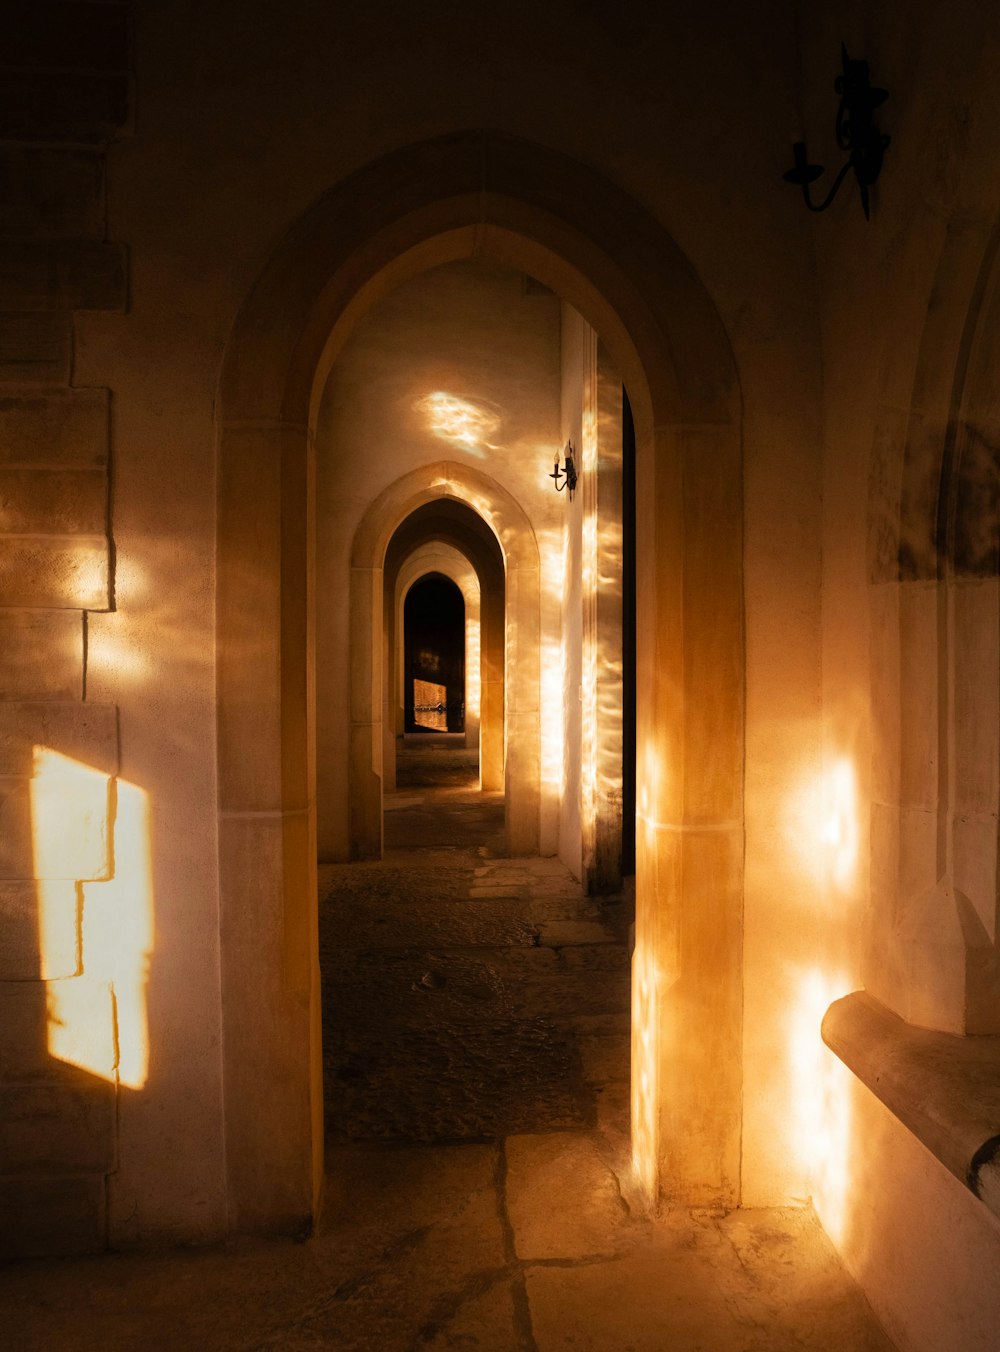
522, 761
365, 738
582, 236
267, 846
689, 881
446, 559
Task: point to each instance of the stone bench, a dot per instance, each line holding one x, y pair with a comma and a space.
942, 1087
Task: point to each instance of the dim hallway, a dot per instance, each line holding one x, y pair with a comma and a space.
476, 1025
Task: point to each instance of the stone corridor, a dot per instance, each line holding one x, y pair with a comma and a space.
476, 1026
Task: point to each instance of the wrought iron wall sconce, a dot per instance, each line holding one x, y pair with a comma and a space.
567, 475
865, 145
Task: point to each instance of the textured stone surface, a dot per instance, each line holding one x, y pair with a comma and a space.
38, 929
767, 1281
435, 1027
417, 1251
41, 655
19, 947
85, 106
36, 1209
944, 1088
54, 428
52, 571
446, 1017
583, 1211
51, 192
55, 827
35, 348
53, 502
84, 733
61, 1126
24, 1052
61, 274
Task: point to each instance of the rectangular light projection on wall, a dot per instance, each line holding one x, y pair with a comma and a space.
95, 832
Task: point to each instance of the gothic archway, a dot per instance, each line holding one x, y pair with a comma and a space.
559, 220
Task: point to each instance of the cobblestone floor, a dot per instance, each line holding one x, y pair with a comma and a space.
467, 996
476, 1043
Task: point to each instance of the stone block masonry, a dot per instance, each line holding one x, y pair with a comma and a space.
65, 92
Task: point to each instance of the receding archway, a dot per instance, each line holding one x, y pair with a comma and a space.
473, 495
445, 559
433, 643
573, 229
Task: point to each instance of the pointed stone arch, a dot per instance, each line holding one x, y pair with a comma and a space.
934, 573
566, 224
446, 560
507, 520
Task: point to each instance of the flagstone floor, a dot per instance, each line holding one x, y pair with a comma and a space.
476, 1028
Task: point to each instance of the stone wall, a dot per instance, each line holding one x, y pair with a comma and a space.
65, 95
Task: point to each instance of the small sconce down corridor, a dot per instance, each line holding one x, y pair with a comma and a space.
567, 476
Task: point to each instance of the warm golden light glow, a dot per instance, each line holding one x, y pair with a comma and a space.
821, 1130
588, 656
473, 672
90, 829
841, 823
110, 656
69, 816
645, 1070
552, 553
468, 423
822, 826
429, 695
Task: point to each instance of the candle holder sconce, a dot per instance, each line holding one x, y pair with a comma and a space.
865, 145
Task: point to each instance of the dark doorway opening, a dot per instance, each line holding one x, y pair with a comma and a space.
434, 657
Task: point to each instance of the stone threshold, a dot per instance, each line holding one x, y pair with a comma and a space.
943, 1087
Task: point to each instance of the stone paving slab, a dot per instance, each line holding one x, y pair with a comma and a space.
685, 1288
445, 1022
450, 1010
421, 1247
562, 1198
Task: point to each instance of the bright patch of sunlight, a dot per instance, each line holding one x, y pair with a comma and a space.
841, 822
822, 1115
552, 678
111, 656
468, 423
588, 710
473, 673
645, 1069
88, 828
649, 790
822, 827
553, 670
